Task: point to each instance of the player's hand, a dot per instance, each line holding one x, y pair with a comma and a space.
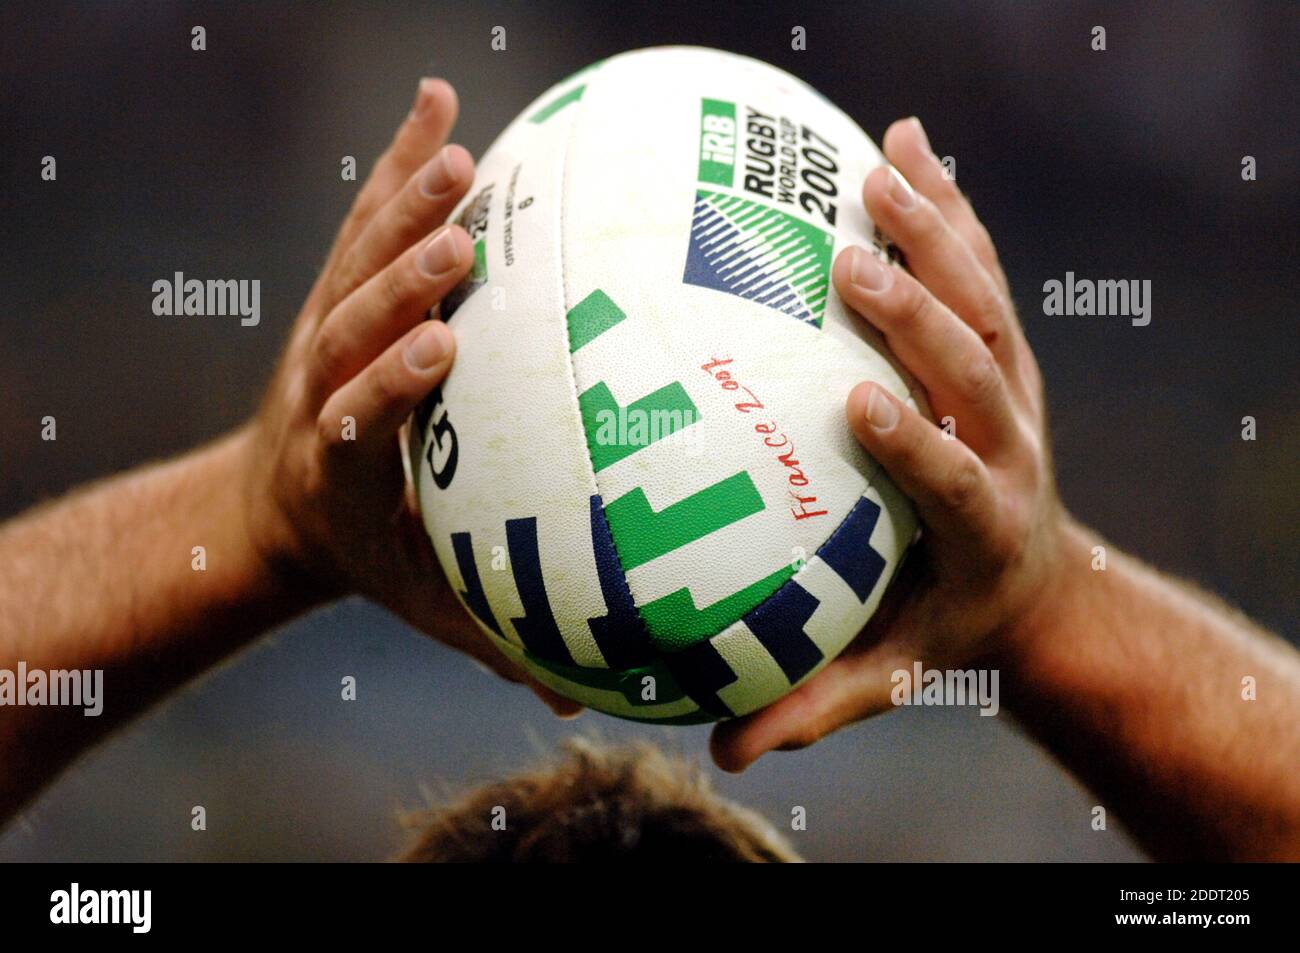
327, 500
993, 541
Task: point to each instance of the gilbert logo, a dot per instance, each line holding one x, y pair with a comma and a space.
77, 906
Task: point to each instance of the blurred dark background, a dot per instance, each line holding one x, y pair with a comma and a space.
1116, 164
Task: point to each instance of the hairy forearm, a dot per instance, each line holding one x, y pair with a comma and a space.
1135, 681
109, 579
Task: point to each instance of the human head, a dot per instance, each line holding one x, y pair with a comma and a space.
598, 803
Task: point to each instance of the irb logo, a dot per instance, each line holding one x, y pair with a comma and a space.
717, 142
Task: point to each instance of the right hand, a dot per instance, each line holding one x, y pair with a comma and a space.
997, 547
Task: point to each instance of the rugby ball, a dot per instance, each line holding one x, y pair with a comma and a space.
638, 476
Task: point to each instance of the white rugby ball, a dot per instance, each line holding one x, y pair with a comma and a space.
638, 475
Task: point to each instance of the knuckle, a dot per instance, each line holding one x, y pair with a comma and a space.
363, 209
977, 237
990, 305
1017, 522
961, 489
329, 351
386, 385
915, 304
340, 282
1009, 541
1033, 455
392, 287
910, 450
974, 237
901, 444
410, 210
981, 379
329, 428
928, 225
945, 190
1029, 460
346, 273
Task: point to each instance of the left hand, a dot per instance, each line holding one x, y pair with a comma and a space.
331, 511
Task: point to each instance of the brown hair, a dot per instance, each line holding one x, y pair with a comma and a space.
598, 803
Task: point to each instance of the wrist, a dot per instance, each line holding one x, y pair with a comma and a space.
274, 560
1048, 620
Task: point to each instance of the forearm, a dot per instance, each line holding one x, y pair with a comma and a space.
108, 579
1135, 682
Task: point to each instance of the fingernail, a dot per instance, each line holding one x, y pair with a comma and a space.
868, 273
421, 98
921, 136
440, 255
882, 413
429, 347
438, 176
899, 191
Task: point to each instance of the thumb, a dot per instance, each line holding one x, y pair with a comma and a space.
848, 689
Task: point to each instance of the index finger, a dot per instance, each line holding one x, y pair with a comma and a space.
908, 149
420, 136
